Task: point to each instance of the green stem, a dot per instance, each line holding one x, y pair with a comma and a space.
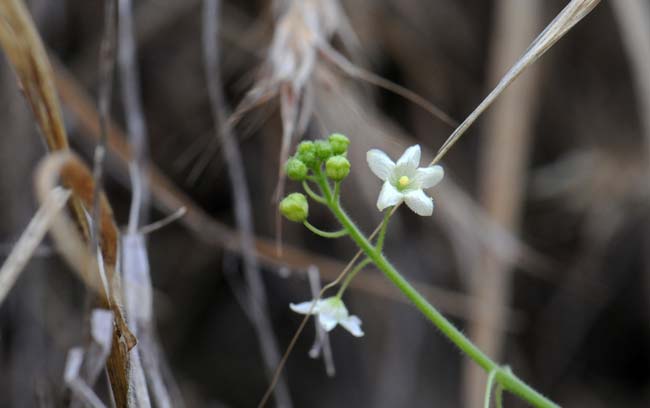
351, 276
504, 377
488, 388
498, 396
316, 197
325, 234
382, 231
337, 190
325, 188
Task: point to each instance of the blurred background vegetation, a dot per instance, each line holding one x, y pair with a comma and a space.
537, 248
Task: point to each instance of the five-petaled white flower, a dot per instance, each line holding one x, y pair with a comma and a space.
330, 312
404, 181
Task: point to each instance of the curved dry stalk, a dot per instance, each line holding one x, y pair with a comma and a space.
99, 275
26, 53
31, 238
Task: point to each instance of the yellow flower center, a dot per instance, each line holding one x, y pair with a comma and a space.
403, 181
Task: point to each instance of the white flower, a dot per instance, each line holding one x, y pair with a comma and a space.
330, 312
404, 181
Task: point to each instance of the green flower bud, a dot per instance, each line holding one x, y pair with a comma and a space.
307, 154
295, 207
337, 168
306, 147
296, 169
339, 143
323, 149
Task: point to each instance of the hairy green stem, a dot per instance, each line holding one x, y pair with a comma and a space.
337, 190
488, 389
503, 376
384, 227
498, 396
351, 276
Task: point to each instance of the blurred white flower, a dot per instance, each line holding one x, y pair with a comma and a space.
404, 181
330, 312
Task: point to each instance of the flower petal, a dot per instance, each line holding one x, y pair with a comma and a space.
389, 196
380, 163
419, 202
353, 325
327, 321
304, 307
428, 177
410, 158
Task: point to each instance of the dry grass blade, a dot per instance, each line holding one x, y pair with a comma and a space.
84, 366
136, 126
81, 390
30, 239
22, 44
138, 297
575, 11
100, 277
362, 74
25, 50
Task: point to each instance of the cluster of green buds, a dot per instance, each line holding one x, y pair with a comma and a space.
312, 160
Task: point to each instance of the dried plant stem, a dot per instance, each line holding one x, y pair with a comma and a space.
106, 66
368, 76
575, 11
26, 53
30, 239
98, 274
257, 300
502, 178
137, 130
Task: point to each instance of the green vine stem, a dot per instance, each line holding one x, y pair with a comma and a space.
312, 194
498, 396
488, 389
325, 234
384, 227
502, 375
351, 276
